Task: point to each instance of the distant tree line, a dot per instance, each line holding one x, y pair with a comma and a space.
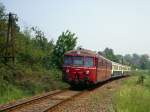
134, 60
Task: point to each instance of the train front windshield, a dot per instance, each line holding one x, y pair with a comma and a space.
78, 61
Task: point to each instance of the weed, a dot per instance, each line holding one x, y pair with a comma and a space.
22, 81
133, 97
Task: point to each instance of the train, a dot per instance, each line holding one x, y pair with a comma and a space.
86, 67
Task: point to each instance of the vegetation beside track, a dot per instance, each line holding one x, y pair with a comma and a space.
24, 82
134, 94
38, 61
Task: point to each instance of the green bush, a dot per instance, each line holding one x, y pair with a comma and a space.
20, 81
141, 79
133, 96
11, 93
132, 99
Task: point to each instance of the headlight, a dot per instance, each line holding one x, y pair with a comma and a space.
87, 72
67, 71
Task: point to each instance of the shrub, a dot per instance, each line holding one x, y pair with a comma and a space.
141, 79
133, 96
20, 81
133, 99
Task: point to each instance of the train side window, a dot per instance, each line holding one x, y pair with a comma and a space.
115, 67
88, 62
120, 68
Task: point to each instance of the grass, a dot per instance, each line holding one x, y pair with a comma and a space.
23, 82
133, 96
12, 93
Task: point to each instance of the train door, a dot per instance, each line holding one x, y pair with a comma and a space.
101, 70
108, 70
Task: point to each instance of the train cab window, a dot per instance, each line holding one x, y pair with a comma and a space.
68, 60
88, 62
78, 61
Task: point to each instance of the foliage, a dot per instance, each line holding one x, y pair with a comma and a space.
12, 93
21, 81
133, 97
66, 41
109, 54
136, 61
141, 79
3, 27
32, 72
37, 59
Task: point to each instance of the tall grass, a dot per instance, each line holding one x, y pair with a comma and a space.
11, 93
22, 81
132, 96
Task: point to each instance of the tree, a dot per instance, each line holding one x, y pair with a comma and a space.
40, 39
66, 41
3, 31
127, 59
135, 60
144, 62
109, 54
2, 11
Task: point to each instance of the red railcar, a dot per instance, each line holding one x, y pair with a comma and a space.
85, 67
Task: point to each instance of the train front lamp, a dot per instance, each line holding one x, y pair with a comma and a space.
87, 72
67, 71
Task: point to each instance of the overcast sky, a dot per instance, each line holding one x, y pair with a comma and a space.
123, 25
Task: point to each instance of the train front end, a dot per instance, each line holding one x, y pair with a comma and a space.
79, 69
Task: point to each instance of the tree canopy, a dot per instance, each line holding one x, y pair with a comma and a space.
66, 41
134, 60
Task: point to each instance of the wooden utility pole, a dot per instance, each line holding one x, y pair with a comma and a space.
9, 52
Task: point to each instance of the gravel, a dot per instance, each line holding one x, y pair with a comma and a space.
98, 100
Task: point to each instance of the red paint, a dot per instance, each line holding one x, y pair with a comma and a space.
92, 74
76, 73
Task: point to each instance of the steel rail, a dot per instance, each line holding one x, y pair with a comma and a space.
52, 96
29, 101
49, 109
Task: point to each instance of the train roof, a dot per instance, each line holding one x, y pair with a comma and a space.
85, 52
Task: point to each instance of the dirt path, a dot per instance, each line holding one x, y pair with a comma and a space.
99, 100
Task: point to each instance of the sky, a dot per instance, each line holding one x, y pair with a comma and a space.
123, 25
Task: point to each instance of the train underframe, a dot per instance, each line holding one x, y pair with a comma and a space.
86, 82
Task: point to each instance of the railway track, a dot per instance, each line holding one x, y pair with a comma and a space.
42, 103
46, 102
